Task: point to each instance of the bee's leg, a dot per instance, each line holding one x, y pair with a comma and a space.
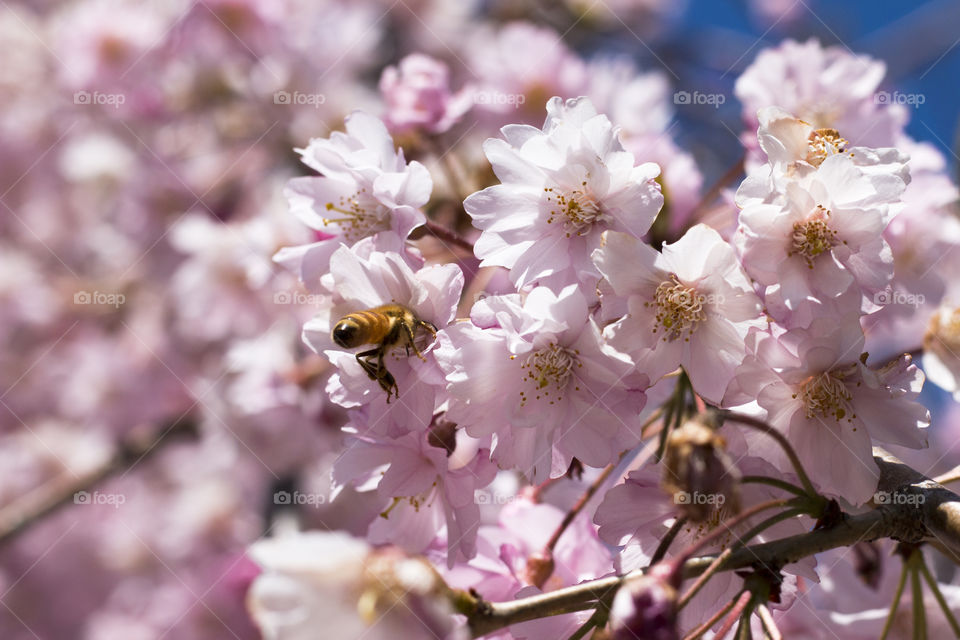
373, 370
426, 325
378, 371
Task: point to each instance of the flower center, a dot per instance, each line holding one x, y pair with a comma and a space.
679, 309
549, 370
825, 395
943, 334
813, 236
824, 143
578, 209
362, 215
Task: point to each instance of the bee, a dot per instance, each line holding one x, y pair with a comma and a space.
387, 326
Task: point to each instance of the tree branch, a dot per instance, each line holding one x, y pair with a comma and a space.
934, 518
17, 516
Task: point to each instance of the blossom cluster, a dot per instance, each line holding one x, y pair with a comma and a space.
590, 319
470, 336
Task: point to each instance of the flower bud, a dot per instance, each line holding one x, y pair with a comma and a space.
418, 96
645, 607
699, 473
539, 568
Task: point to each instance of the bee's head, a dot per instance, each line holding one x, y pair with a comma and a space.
346, 333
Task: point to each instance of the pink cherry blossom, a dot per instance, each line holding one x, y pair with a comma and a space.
331, 581
561, 187
366, 189
822, 235
426, 480
829, 87
361, 279
691, 305
635, 514
538, 378
417, 93
500, 569
816, 388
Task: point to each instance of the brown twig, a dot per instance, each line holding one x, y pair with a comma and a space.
17, 516
937, 517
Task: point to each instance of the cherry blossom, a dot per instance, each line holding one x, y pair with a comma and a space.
690, 305
560, 188
426, 481
314, 580
816, 388
417, 93
366, 189
829, 87
822, 235
360, 279
567, 393
502, 569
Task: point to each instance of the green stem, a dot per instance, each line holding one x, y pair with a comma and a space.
935, 588
888, 625
667, 540
774, 482
916, 591
742, 603
760, 425
769, 522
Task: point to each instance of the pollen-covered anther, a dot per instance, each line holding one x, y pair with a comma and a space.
549, 369
362, 215
579, 210
826, 395
680, 309
813, 236
824, 143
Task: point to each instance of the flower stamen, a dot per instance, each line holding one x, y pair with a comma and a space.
362, 215
824, 143
813, 236
825, 395
549, 369
679, 309
578, 209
